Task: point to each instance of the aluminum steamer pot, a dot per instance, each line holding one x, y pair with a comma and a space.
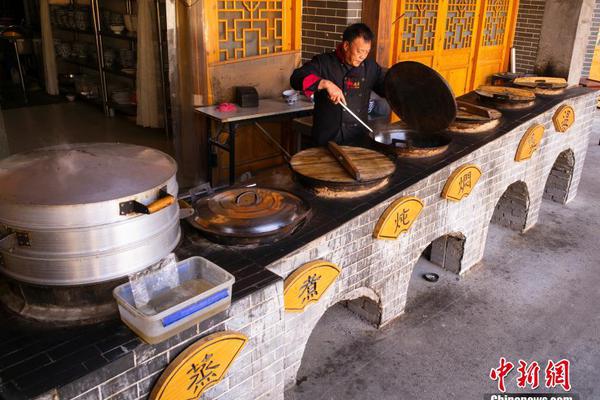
86, 213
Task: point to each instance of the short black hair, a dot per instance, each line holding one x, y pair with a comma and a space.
358, 30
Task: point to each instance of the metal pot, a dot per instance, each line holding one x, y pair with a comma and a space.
86, 213
409, 143
249, 215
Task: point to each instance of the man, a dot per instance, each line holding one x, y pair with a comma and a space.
345, 75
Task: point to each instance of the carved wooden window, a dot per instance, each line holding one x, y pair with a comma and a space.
496, 18
460, 21
248, 28
418, 30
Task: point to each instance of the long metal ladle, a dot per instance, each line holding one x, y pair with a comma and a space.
355, 116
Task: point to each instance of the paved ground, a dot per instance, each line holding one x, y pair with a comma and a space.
533, 297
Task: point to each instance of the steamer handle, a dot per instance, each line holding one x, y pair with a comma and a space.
7, 243
133, 206
161, 203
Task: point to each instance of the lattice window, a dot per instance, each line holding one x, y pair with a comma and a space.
460, 22
418, 26
496, 18
250, 28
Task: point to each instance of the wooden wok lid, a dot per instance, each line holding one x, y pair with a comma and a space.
319, 164
420, 96
503, 93
543, 82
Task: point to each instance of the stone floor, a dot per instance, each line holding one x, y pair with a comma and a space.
32, 127
533, 297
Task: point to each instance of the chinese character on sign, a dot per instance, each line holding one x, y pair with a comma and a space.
202, 374
532, 143
558, 374
528, 375
465, 182
501, 372
308, 290
402, 219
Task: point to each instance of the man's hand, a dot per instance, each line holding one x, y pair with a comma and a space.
335, 93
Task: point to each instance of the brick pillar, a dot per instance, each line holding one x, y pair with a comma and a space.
591, 45
563, 39
323, 23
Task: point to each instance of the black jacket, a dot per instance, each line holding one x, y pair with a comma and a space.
330, 121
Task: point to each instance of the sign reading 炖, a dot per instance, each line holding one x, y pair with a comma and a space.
530, 142
200, 366
398, 218
307, 284
563, 118
461, 182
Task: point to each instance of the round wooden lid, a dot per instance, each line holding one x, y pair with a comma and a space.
503, 93
545, 82
319, 164
420, 96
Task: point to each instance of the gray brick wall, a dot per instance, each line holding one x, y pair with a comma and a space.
323, 23
589, 52
383, 268
559, 181
511, 210
527, 33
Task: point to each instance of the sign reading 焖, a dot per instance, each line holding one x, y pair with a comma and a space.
307, 284
530, 142
563, 118
398, 218
461, 182
199, 367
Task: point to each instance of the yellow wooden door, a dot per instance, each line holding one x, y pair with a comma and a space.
494, 39
456, 46
464, 40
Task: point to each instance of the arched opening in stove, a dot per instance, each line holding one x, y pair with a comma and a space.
512, 208
438, 264
332, 341
559, 180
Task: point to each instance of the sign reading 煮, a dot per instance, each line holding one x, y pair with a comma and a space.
199, 367
308, 283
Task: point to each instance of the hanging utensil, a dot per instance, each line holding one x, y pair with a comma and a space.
356, 117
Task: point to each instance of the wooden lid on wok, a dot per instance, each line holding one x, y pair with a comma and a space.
420, 96
319, 165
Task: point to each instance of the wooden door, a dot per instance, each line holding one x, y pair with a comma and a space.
495, 37
464, 40
456, 47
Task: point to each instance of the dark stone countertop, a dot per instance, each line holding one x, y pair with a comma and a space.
34, 359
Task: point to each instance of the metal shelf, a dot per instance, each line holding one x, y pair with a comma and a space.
79, 63
119, 73
124, 36
61, 28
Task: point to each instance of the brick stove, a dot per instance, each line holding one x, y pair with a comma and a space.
107, 361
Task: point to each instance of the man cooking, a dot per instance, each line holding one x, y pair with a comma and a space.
345, 75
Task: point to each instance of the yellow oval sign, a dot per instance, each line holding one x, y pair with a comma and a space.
398, 218
308, 283
530, 142
199, 367
461, 182
563, 118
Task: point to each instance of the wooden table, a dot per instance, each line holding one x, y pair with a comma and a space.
268, 109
